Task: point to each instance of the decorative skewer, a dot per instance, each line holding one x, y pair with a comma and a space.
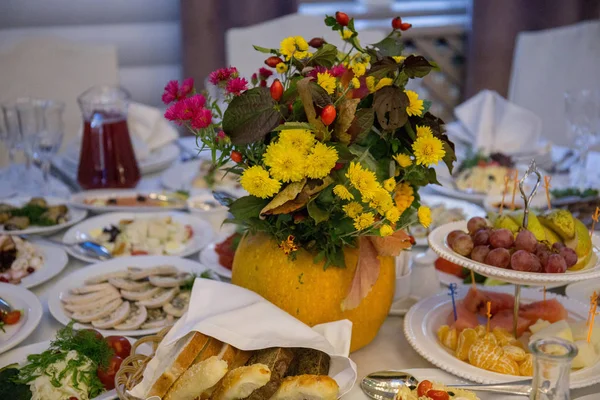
514, 192
544, 293
593, 300
592, 314
473, 280
506, 179
594, 220
452, 292
488, 314
547, 180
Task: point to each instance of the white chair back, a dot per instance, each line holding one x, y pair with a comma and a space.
548, 63
239, 41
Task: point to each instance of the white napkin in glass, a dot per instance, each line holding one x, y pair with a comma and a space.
493, 124
247, 321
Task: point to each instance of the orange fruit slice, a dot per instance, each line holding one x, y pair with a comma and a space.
505, 365
451, 339
503, 336
465, 340
442, 332
484, 353
526, 367
513, 352
490, 337
481, 330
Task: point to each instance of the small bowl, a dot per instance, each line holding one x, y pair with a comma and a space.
403, 276
205, 206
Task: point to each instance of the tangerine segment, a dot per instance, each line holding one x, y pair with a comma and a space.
442, 332
490, 337
451, 339
465, 340
526, 367
484, 353
515, 353
505, 365
503, 336
481, 330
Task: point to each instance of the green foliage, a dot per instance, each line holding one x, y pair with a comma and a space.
390, 107
383, 67
325, 56
247, 207
266, 50
417, 66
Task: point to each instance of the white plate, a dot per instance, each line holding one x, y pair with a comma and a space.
181, 175
203, 232
20, 299
157, 160
55, 260
77, 279
425, 317
78, 200
469, 209
75, 215
437, 242
583, 290
209, 258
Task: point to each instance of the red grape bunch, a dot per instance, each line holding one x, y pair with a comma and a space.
501, 248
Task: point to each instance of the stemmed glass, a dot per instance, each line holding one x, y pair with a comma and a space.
582, 110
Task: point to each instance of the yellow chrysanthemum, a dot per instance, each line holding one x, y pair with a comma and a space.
346, 34
326, 81
424, 131
299, 139
415, 106
389, 184
398, 59
370, 81
403, 160
385, 230
352, 209
383, 82
257, 182
320, 161
294, 45
286, 163
424, 214
281, 68
355, 83
343, 193
359, 69
362, 179
363, 221
404, 196
381, 200
428, 150
393, 215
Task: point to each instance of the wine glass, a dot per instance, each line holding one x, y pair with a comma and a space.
582, 110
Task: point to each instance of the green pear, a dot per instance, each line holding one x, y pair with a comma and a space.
505, 222
561, 222
581, 244
533, 225
551, 236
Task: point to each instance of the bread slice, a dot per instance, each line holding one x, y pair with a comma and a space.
309, 362
240, 357
241, 382
171, 367
278, 360
307, 387
197, 379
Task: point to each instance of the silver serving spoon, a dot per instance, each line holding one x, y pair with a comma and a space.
87, 248
5, 308
384, 385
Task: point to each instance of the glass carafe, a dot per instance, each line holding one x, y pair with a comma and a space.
106, 159
551, 368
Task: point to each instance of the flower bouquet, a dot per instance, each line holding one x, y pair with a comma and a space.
330, 147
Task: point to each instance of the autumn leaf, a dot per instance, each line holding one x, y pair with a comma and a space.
390, 107
391, 245
290, 192
304, 91
365, 275
345, 116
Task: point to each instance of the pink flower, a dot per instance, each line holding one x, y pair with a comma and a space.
337, 71
201, 119
178, 112
186, 87
171, 92
263, 83
195, 102
233, 72
236, 86
264, 73
221, 136
222, 75
254, 79
316, 70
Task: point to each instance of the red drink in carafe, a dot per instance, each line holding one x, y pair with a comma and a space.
107, 159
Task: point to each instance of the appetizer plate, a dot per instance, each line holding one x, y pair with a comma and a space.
203, 232
77, 279
468, 209
78, 200
583, 290
425, 317
437, 242
20, 299
181, 175
55, 260
210, 259
75, 216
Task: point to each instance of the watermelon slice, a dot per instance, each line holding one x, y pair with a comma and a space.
476, 300
549, 310
504, 320
466, 319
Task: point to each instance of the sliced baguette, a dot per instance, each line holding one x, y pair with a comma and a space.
278, 360
181, 358
240, 358
307, 387
241, 382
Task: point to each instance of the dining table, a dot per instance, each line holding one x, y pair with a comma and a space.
390, 350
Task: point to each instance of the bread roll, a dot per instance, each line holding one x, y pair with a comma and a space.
241, 382
307, 387
278, 359
197, 379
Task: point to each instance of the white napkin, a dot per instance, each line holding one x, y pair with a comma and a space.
491, 124
247, 321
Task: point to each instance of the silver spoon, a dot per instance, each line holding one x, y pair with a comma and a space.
86, 247
5, 308
384, 385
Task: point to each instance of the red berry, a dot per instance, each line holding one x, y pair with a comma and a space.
273, 61
338, 166
276, 90
3, 279
299, 217
396, 22
236, 156
405, 26
412, 240
316, 42
342, 18
328, 114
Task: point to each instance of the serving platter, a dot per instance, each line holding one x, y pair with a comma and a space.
425, 317
55, 260
583, 290
79, 200
210, 259
438, 243
20, 299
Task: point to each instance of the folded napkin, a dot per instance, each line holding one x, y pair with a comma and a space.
493, 124
245, 320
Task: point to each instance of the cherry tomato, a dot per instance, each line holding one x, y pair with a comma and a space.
97, 334
342, 18
12, 317
396, 22
107, 376
276, 90
328, 114
139, 253
236, 156
424, 387
273, 61
120, 345
189, 231
438, 395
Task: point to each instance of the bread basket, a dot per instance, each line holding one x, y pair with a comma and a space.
132, 368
